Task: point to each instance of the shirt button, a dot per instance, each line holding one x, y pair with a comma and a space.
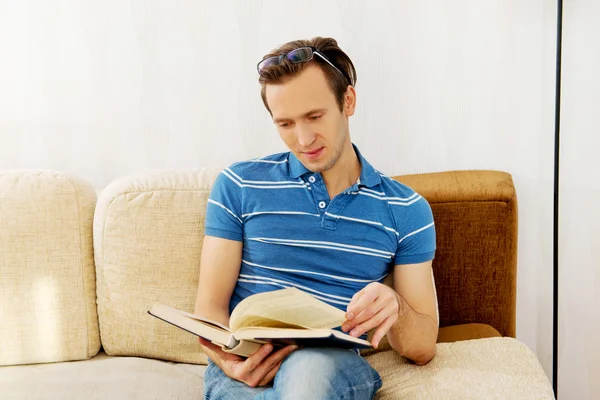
322, 204
312, 179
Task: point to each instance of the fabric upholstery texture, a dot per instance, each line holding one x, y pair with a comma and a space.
493, 368
102, 378
475, 266
466, 332
148, 233
47, 277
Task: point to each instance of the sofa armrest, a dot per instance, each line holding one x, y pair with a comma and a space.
475, 267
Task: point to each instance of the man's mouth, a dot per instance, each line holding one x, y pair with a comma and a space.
314, 153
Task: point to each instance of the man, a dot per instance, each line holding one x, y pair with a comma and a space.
322, 219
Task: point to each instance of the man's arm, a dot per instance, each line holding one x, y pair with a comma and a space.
414, 334
219, 269
408, 314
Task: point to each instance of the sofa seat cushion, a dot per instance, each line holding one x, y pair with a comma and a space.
103, 377
492, 368
466, 332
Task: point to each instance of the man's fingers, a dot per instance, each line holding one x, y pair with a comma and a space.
270, 375
372, 323
257, 358
243, 370
382, 330
364, 298
353, 301
367, 313
258, 374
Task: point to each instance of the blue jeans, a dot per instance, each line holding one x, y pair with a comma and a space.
309, 373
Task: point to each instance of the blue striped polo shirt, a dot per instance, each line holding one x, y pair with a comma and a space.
294, 235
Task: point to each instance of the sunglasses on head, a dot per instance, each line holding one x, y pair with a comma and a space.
301, 54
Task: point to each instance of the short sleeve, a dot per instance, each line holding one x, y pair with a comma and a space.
417, 234
224, 208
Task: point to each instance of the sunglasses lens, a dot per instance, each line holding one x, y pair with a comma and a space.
267, 62
301, 54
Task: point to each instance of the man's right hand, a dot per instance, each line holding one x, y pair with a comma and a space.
257, 370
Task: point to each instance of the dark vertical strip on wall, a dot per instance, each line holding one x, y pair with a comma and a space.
559, 17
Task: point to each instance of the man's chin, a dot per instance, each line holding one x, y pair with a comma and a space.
315, 166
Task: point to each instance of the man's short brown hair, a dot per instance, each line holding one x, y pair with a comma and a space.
275, 74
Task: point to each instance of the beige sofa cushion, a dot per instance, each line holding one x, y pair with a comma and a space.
148, 233
492, 368
103, 378
47, 278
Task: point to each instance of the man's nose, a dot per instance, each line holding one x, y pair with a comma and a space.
306, 135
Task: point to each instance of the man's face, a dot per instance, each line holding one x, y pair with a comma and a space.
309, 120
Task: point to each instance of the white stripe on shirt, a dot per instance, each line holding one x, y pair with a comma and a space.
364, 193
364, 221
260, 160
225, 208
415, 232
405, 204
270, 185
280, 212
293, 284
334, 245
372, 191
283, 286
240, 180
300, 271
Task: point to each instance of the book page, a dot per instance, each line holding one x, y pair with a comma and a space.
282, 335
290, 307
205, 320
193, 324
244, 348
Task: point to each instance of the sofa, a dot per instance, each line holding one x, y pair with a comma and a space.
79, 270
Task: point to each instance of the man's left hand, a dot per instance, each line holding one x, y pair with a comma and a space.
375, 306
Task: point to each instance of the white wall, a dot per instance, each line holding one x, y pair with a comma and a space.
103, 89
579, 258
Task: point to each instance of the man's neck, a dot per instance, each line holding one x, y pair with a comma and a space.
344, 173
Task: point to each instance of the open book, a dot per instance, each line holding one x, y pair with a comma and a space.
286, 316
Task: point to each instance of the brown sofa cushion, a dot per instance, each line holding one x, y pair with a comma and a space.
475, 265
466, 332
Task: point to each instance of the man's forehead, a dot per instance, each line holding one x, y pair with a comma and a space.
299, 95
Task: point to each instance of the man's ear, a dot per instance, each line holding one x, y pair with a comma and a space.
350, 101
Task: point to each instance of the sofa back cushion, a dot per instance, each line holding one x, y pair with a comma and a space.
47, 278
148, 234
475, 265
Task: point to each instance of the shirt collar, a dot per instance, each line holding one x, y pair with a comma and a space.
369, 177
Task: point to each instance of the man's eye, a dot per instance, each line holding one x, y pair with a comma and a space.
284, 125
315, 117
